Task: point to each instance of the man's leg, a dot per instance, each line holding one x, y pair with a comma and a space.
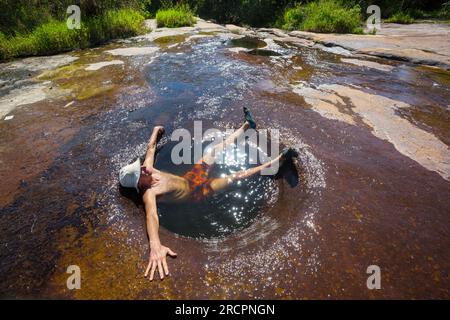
210, 155
151, 147
221, 183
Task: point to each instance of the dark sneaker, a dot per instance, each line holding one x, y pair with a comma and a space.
249, 119
289, 153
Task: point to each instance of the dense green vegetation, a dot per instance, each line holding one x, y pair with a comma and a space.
400, 17
54, 36
23, 16
177, 16
115, 24
323, 16
409, 15
266, 12
34, 27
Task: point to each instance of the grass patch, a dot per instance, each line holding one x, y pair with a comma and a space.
178, 16
400, 17
51, 37
115, 24
327, 16
54, 36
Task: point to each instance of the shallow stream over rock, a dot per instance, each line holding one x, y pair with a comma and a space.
372, 184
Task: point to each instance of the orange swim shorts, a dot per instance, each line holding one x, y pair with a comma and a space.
199, 181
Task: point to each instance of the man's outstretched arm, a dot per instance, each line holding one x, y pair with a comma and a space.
151, 147
158, 252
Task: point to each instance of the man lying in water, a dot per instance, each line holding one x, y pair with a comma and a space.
155, 185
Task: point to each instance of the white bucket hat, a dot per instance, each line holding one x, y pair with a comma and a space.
129, 175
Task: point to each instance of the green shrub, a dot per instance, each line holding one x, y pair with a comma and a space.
400, 17
178, 16
5, 47
115, 24
328, 16
51, 37
23, 16
54, 36
293, 18
146, 8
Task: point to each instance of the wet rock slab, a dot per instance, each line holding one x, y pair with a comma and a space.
133, 51
371, 184
380, 114
98, 65
40, 63
369, 64
422, 43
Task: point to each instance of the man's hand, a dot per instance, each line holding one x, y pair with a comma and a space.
158, 131
158, 254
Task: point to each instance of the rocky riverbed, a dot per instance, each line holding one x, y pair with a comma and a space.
370, 115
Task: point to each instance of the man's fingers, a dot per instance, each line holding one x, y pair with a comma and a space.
160, 270
153, 270
166, 268
171, 253
148, 268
